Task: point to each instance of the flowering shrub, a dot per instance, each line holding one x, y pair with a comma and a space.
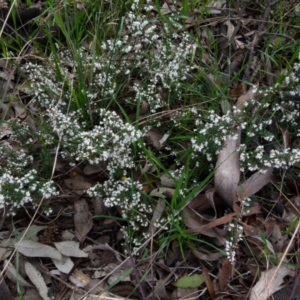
127, 195
262, 146
19, 182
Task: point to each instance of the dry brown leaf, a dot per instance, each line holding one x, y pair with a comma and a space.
225, 273
82, 219
195, 222
104, 247
154, 137
255, 183
117, 273
78, 186
238, 90
98, 205
270, 282
92, 169
207, 256
220, 221
144, 108
208, 283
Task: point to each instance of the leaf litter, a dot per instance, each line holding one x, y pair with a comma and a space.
78, 259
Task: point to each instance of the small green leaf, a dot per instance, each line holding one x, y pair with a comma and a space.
189, 282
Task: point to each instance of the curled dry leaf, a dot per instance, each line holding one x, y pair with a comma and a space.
270, 282
82, 219
34, 249
70, 248
37, 279
196, 224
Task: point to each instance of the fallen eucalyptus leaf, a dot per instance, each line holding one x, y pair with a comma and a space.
270, 282
37, 279
14, 275
34, 249
65, 265
82, 219
70, 248
227, 174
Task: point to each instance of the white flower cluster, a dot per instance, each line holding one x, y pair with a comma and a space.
159, 59
262, 145
292, 82
19, 190
45, 86
126, 194
110, 141
15, 160
211, 132
235, 231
